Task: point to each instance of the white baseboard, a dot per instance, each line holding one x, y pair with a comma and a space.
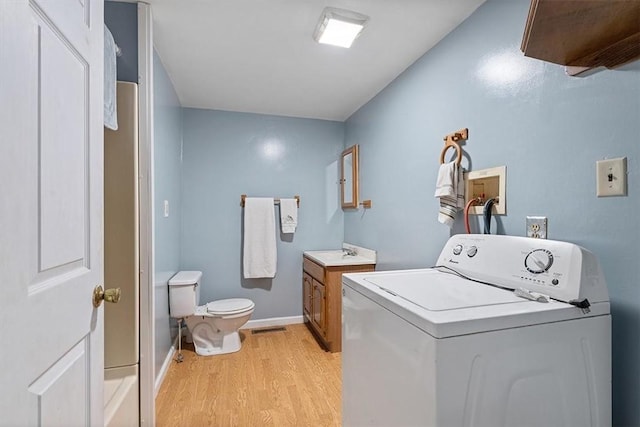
274, 321
165, 368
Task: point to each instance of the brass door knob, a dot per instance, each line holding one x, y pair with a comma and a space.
110, 295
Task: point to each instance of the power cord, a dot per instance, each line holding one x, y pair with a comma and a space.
454, 272
584, 304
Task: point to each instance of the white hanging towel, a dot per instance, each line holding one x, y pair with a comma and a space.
259, 254
450, 190
110, 105
288, 215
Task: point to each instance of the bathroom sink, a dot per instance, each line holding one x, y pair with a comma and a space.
336, 257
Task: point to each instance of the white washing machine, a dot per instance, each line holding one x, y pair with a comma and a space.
455, 346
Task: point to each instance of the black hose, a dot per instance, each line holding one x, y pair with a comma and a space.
487, 215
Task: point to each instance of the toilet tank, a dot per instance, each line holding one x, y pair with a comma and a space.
184, 293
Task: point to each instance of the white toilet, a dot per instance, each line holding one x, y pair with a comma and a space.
213, 326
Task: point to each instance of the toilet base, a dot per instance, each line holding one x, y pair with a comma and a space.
208, 340
214, 334
227, 343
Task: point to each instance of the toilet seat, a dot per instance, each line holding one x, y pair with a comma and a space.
225, 307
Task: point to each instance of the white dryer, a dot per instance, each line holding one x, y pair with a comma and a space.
455, 346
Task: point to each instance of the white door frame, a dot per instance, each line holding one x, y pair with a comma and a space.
147, 263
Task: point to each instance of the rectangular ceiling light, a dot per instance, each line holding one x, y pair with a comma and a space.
339, 27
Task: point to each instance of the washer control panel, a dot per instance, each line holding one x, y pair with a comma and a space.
559, 269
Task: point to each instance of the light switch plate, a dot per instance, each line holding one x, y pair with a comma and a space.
166, 208
611, 177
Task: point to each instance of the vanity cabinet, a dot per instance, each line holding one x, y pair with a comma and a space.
322, 300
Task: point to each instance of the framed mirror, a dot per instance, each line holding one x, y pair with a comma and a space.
349, 177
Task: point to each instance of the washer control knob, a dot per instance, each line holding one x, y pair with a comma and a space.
457, 249
472, 251
538, 261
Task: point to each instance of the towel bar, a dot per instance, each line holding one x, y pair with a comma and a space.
275, 201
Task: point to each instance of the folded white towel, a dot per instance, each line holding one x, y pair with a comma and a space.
259, 251
450, 190
288, 215
110, 105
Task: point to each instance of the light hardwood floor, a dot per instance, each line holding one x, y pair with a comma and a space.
277, 379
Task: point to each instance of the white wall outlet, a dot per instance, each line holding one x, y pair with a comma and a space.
537, 227
611, 177
166, 208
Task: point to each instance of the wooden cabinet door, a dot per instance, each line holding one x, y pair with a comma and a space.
318, 307
307, 294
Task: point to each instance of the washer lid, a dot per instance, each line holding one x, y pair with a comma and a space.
230, 306
436, 291
444, 305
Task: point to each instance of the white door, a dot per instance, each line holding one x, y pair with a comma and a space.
51, 359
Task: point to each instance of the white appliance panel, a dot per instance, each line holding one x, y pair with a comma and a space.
383, 353
423, 347
560, 269
541, 375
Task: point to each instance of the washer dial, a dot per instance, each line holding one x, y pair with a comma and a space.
538, 261
472, 251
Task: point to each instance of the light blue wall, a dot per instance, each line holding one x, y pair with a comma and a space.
228, 154
547, 128
122, 20
167, 176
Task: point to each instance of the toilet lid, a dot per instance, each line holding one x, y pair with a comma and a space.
230, 306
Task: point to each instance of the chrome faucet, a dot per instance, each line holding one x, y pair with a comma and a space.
348, 252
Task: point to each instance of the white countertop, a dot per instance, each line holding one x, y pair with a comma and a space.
338, 257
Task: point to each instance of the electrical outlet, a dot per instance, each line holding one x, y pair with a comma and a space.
537, 227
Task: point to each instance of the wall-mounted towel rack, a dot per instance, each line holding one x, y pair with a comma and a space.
275, 201
451, 141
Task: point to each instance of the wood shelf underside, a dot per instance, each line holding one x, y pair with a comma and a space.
584, 34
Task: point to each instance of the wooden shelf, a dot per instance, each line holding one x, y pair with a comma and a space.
587, 34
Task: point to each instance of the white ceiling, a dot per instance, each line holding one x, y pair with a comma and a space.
259, 56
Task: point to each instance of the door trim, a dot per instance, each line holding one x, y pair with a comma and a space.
147, 293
